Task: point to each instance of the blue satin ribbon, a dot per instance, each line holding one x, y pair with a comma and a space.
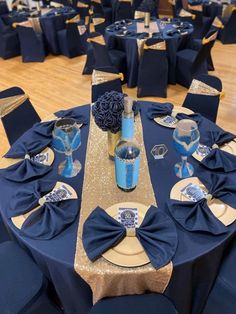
157, 234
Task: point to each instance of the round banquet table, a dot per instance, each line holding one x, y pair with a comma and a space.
128, 43
198, 255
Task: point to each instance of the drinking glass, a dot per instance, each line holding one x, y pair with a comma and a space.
66, 139
186, 139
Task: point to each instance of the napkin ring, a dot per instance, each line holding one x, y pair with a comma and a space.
215, 146
130, 232
208, 197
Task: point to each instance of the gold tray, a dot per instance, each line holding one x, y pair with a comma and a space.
225, 213
129, 252
175, 111
229, 147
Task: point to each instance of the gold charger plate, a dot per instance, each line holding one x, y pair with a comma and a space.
175, 111
7, 162
225, 213
19, 220
227, 147
129, 252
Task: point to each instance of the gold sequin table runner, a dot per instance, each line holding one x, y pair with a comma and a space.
99, 189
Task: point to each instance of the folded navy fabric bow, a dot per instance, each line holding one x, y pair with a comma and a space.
196, 216
197, 117
218, 159
157, 234
158, 110
26, 168
50, 219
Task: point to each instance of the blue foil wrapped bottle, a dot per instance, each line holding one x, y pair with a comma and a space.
127, 151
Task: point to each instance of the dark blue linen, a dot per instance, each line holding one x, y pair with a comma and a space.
197, 117
159, 110
198, 256
218, 159
196, 217
156, 233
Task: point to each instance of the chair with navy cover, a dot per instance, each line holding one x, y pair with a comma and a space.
152, 303
105, 79
32, 43
123, 10
153, 69
3, 8
23, 286
69, 39
222, 298
99, 54
191, 62
9, 41
15, 106
99, 23
204, 96
105, 11
227, 35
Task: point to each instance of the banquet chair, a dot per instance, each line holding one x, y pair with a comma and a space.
191, 62
204, 96
99, 54
99, 23
32, 44
105, 79
227, 35
83, 9
69, 39
9, 41
222, 298
14, 107
105, 11
152, 303
153, 69
176, 6
123, 10
23, 286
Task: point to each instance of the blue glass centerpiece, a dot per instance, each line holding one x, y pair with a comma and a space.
186, 140
66, 139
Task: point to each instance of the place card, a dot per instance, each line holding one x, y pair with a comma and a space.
203, 150
169, 120
128, 217
61, 192
193, 192
41, 158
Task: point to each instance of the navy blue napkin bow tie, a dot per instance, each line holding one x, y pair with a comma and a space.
218, 159
50, 218
157, 235
197, 216
165, 109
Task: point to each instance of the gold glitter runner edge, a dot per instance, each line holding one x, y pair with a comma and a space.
99, 189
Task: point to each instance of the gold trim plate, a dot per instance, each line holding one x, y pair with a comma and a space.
225, 213
129, 252
175, 111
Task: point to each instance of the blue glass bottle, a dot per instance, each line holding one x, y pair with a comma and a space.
127, 152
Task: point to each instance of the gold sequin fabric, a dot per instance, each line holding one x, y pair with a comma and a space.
99, 189
100, 77
200, 88
8, 104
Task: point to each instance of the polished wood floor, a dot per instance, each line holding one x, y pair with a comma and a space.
58, 84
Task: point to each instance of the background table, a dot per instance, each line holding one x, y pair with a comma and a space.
129, 45
198, 255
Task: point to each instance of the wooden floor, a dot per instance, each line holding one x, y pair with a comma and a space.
58, 84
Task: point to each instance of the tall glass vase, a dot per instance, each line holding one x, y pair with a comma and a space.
147, 17
112, 139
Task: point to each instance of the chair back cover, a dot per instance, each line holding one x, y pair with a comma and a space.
105, 79
204, 96
31, 44
205, 50
3, 8
153, 69
100, 51
97, 7
124, 10
228, 34
9, 41
152, 303
13, 114
99, 23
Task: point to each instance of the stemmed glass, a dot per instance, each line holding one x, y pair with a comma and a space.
66, 139
186, 139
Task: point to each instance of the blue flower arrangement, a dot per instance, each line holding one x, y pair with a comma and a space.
107, 111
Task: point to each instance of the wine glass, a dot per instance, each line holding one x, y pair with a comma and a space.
186, 139
66, 139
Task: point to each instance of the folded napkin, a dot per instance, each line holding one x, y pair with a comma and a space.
157, 235
218, 159
158, 110
56, 212
172, 32
142, 35
197, 216
197, 117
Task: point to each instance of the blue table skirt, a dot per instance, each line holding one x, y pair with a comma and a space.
129, 46
198, 256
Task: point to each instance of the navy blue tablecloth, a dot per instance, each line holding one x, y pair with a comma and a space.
128, 44
198, 255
